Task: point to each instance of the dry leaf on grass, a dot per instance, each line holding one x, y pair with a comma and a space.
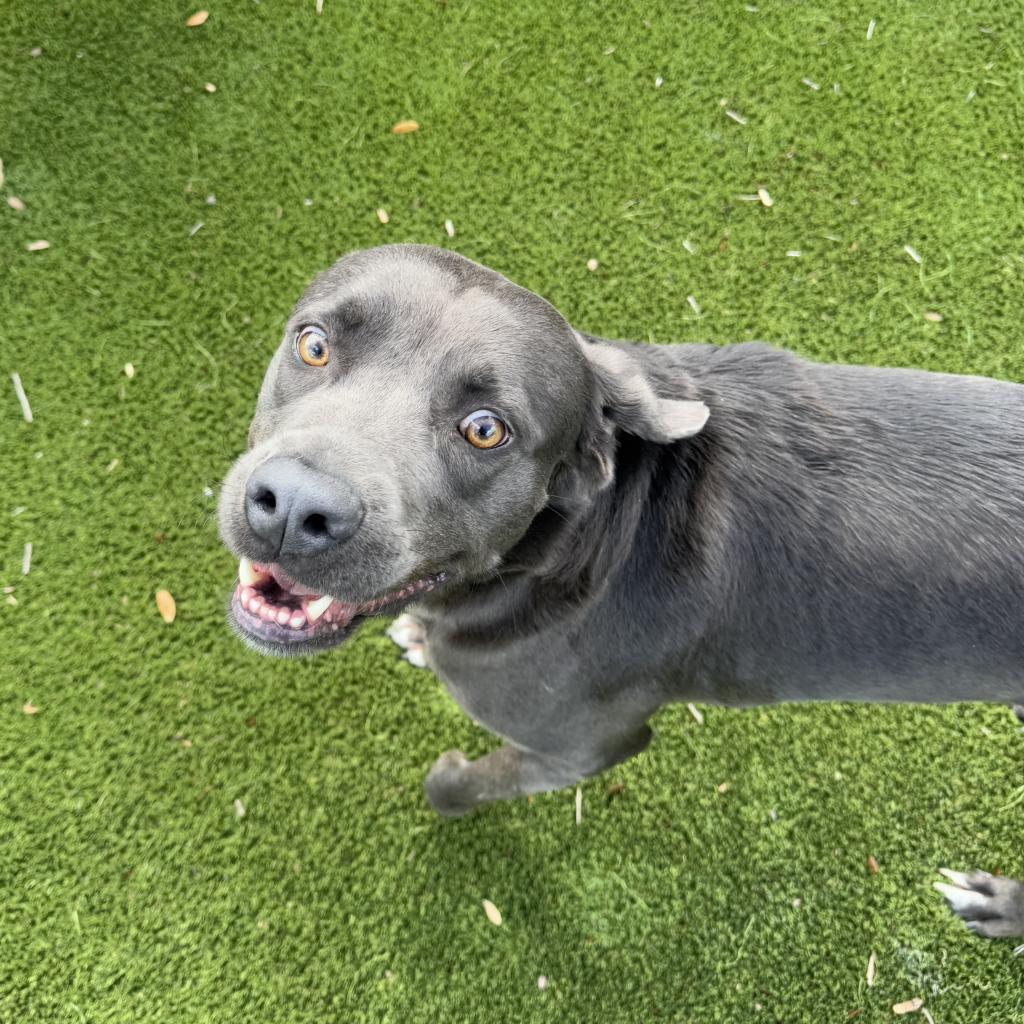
492, 912
870, 978
166, 606
38, 246
29, 708
872, 865
197, 19
382, 215
404, 127
910, 1006
932, 317
15, 203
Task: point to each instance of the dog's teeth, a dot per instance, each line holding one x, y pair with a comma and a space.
297, 621
316, 608
249, 575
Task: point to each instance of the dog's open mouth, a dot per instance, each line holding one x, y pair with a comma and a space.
279, 615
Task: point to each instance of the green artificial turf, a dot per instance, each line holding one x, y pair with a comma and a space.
130, 888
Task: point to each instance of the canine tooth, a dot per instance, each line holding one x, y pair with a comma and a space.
316, 608
249, 574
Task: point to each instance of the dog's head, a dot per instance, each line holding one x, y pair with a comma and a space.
414, 421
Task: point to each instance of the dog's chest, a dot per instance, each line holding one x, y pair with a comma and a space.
529, 691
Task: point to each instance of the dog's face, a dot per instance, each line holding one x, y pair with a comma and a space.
407, 433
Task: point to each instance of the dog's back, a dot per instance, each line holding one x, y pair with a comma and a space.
872, 522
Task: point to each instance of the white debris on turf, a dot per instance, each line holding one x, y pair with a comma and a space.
492, 912
26, 558
26, 411
912, 253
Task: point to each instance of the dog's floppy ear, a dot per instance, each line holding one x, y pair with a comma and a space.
625, 400
631, 402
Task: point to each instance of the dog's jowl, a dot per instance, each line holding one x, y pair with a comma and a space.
584, 530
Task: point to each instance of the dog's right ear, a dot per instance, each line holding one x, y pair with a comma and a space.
624, 399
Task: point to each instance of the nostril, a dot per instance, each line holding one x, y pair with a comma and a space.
265, 500
315, 525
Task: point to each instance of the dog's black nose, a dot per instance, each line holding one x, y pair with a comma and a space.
298, 510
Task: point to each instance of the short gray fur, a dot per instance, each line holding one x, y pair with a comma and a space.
829, 533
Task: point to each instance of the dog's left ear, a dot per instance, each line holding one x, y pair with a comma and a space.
631, 402
624, 399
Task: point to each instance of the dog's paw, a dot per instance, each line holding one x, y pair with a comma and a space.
407, 631
446, 785
990, 906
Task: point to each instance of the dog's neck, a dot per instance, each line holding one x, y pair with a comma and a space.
571, 552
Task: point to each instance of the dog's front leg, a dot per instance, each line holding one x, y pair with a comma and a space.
456, 785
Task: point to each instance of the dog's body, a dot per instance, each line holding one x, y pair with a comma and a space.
829, 533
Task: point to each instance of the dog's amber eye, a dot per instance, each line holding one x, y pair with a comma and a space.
482, 429
313, 347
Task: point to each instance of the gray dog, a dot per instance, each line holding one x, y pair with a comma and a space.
590, 529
